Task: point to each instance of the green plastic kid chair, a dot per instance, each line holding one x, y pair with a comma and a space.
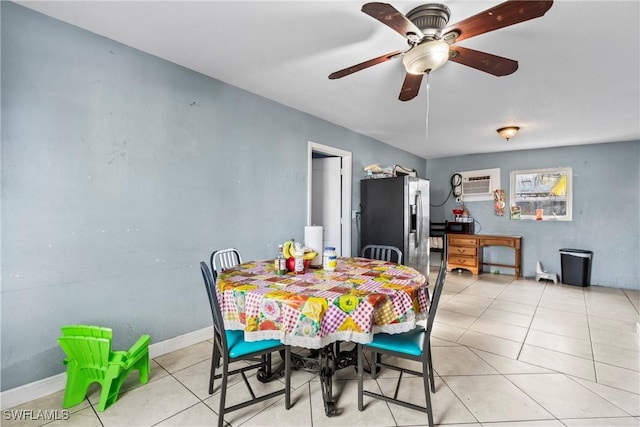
90, 359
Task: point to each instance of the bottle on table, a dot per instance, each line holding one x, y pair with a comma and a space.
329, 259
280, 263
299, 259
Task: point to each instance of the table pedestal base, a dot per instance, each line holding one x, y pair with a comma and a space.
325, 362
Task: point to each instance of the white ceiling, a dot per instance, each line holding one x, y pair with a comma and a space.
577, 83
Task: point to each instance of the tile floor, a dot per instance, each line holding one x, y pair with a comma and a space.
506, 352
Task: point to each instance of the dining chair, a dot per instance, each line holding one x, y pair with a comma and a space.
414, 345
222, 259
438, 238
230, 346
90, 360
219, 261
382, 253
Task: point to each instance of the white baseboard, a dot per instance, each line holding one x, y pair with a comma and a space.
182, 341
35, 390
46, 386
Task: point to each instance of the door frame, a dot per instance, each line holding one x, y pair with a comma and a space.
345, 197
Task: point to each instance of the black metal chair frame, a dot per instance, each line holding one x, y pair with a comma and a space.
222, 259
439, 230
382, 252
424, 358
257, 358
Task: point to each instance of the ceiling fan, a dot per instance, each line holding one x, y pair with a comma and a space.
431, 45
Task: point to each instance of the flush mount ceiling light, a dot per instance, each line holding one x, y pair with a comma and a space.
508, 132
426, 57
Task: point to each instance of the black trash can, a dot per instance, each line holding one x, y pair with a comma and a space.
576, 266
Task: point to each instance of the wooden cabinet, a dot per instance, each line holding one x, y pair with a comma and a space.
463, 253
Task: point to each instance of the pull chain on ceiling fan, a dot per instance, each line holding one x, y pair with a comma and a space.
426, 119
432, 43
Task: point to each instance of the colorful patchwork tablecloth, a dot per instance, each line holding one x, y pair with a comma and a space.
360, 298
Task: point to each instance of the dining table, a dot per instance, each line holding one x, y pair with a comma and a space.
319, 310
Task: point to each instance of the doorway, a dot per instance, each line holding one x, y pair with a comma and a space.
329, 195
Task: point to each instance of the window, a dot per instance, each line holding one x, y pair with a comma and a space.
542, 193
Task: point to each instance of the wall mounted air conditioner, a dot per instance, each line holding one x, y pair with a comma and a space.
480, 185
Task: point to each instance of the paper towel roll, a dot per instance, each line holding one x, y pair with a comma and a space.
313, 240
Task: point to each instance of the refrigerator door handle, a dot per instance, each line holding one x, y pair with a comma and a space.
418, 218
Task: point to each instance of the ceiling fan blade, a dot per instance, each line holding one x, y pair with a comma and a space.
393, 19
500, 16
492, 64
363, 65
410, 87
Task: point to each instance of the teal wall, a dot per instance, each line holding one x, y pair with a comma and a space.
606, 208
120, 172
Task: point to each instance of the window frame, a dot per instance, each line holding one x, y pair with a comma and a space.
547, 216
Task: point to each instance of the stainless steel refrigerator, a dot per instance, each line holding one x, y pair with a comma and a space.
395, 212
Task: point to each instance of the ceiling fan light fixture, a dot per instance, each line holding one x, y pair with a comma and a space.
426, 57
508, 132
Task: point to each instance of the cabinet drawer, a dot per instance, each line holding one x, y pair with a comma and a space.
461, 241
498, 242
463, 250
462, 260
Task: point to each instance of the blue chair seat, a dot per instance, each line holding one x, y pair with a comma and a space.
407, 342
238, 347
